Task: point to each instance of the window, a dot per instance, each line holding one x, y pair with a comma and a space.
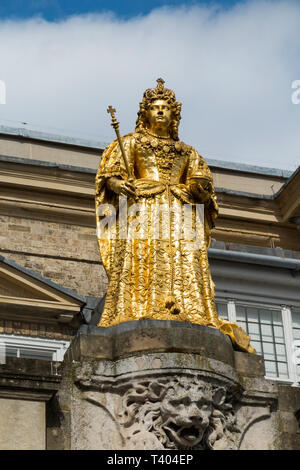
266, 331
222, 309
32, 348
274, 332
296, 337
28, 353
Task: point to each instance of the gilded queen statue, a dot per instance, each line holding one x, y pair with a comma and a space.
158, 277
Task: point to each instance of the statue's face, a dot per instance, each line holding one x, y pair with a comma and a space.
159, 114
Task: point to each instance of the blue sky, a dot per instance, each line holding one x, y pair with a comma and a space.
232, 67
53, 10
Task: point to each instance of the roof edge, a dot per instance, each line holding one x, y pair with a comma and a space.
253, 258
61, 166
55, 138
98, 145
40, 278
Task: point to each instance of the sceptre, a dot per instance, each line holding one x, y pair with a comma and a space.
115, 125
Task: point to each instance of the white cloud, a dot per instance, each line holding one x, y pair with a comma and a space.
232, 70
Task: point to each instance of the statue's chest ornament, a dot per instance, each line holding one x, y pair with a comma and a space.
164, 150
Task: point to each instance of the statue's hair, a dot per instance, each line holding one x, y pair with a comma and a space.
159, 93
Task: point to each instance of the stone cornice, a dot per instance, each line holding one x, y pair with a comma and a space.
29, 379
64, 195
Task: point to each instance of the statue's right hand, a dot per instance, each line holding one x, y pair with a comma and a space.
122, 187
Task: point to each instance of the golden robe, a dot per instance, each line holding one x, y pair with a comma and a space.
161, 277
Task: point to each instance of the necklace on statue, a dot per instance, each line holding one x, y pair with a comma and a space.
158, 136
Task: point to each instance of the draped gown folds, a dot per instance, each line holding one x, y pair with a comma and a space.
156, 270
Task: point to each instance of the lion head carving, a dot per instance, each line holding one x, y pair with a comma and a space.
182, 413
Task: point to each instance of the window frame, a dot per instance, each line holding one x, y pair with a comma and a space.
57, 347
287, 324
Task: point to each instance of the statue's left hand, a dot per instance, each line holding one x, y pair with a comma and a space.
203, 194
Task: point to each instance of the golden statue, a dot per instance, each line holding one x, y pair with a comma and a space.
157, 277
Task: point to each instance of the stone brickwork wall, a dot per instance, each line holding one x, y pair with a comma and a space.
58, 332
64, 253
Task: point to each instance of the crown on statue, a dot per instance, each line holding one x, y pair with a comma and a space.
159, 93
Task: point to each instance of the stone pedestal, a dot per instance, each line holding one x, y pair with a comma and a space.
153, 384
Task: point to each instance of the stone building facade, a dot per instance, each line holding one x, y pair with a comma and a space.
52, 279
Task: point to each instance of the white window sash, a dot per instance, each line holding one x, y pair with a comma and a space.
289, 341
287, 325
231, 311
56, 347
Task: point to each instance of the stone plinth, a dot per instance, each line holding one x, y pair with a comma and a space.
164, 385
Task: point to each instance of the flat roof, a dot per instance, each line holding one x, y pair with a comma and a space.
61, 166
99, 145
243, 167
55, 138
